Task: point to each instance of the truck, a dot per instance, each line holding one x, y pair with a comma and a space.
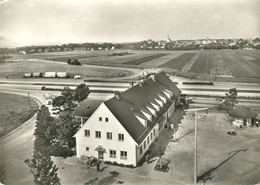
27, 75
36, 75
62, 74
77, 77
49, 74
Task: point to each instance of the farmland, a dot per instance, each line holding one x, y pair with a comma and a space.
179, 62
220, 63
14, 111
145, 59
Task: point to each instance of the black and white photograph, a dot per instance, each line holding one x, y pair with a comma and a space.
131, 92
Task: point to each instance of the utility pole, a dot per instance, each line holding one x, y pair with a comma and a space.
195, 147
29, 100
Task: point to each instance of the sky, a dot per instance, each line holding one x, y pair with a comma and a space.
72, 21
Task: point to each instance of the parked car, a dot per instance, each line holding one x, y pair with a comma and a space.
77, 77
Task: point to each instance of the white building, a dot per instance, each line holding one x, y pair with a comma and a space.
123, 127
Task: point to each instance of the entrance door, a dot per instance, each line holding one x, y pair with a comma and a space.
100, 155
244, 122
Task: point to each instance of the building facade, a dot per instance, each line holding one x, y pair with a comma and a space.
122, 128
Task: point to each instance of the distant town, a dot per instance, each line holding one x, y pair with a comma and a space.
207, 44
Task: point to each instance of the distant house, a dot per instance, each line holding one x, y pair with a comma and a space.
242, 116
122, 128
80, 49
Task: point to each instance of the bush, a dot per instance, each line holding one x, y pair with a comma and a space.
76, 62
117, 164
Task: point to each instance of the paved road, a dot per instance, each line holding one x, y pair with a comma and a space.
18, 146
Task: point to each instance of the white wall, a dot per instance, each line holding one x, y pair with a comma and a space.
93, 124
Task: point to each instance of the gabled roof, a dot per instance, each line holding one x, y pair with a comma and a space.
242, 112
134, 100
163, 79
86, 108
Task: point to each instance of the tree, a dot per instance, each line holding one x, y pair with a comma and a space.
231, 98
81, 92
58, 101
45, 129
76, 62
66, 129
43, 169
68, 96
69, 61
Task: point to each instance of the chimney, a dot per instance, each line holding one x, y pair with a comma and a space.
141, 83
117, 95
153, 77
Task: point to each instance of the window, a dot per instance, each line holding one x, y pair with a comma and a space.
144, 144
87, 149
123, 155
106, 119
112, 153
141, 149
98, 134
151, 135
121, 137
87, 133
109, 135
84, 120
100, 118
148, 140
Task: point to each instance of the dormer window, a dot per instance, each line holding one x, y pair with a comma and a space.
162, 98
147, 115
156, 106
151, 110
169, 95
143, 121
159, 102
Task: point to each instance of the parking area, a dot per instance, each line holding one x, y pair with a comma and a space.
220, 157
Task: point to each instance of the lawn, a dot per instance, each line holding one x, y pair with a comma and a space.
179, 62
14, 110
17, 69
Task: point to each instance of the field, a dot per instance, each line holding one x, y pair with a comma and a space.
14, 110
145, 59
179, 62
203, 64
16, 69
207, 64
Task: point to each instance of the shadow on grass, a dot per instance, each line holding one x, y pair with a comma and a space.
207, 175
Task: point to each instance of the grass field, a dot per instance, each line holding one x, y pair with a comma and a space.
17, 69
14, 110
179, 62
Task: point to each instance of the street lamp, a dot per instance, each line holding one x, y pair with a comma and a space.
195, 150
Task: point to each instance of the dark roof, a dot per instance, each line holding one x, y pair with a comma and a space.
134, 100
242, 112
87, 108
